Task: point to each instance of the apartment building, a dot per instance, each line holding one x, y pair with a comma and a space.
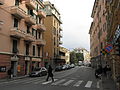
113, 37
98, 32
53, 34
21, 36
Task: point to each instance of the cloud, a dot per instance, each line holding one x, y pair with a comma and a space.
76, 17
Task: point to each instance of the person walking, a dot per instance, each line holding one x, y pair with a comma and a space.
50, 74
98, 72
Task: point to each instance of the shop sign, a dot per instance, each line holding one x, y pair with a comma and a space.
14, 58
2, 68
116, 36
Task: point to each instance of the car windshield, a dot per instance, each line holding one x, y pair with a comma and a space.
37, 69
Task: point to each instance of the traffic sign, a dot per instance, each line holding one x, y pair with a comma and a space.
108, 48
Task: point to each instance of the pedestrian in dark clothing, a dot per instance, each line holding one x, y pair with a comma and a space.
9, 72
105, 70
98, 72
50, 74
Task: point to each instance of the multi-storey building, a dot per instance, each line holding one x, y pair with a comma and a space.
86, 53
21, 36
98, 31
53, 34
113, 37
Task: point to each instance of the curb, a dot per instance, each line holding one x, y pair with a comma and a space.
14, 78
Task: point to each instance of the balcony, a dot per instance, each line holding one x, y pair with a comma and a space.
29, 38
1, 2
61, 29
15, 32
30, 20
40, 42
62, 57
31, 4
18, 12
60, 34
41, 14
60, 42
40, 27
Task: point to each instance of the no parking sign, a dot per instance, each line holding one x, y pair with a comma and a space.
108, 48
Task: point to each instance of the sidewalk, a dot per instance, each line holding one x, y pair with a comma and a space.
108, 84
13, 78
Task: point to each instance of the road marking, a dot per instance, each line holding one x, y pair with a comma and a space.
98, 84
30, 81
49, 81
68, 82
78, 83
88, 85
58, 82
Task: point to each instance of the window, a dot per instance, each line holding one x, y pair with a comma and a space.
15, 50
15, 22
33, 50
28, 29
36, 34
30, 12
16, 2
38, 51
39, 34
33, 32
27, 49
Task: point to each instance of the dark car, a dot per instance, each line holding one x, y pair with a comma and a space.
38, 72
58, 68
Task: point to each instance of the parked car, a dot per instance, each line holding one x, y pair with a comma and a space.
58, 68
42, 71
72, 65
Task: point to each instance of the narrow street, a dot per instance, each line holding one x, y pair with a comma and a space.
78, 78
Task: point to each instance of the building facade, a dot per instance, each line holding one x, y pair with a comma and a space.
98, 32
53, 34
21, 36
110, 35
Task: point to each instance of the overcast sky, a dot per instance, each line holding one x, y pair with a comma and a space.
76, 18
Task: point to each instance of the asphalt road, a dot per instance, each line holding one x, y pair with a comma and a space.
78, 78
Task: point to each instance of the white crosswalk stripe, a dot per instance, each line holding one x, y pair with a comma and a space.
63, 82
49, 81
78, 83
58, 82
68, 82
88, 85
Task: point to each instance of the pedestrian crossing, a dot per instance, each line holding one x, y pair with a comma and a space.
60, 82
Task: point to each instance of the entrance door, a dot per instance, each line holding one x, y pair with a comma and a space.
14, 68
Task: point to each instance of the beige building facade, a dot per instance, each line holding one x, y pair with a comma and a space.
21, 36
53, 34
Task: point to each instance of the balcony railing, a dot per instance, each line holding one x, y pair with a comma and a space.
15, 32
40, 42
60, 34
29, 38
61, 29
18, 12
30, 20
60, 42
41, 14
40, 27
1, 2
31, 4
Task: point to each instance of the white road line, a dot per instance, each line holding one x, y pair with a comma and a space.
58, 82
78, 83
98, 84
68, 82
49, 81
88, 85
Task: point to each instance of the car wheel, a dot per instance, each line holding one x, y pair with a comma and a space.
40, 75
